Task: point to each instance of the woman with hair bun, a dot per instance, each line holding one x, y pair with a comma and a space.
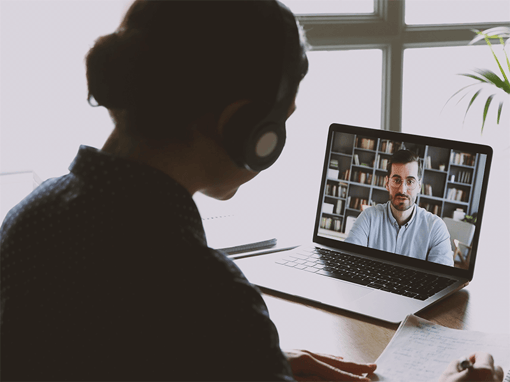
106, 273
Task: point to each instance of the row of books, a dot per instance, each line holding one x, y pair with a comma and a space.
365, 143
462, 159
457, 195
379, 180
331, 223
426, 189
339, 191
389, 147
431, 207
356, 203
427, 163
381, 164
362, 177
357, 162
462, 177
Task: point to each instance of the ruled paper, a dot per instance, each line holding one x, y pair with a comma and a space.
421, 350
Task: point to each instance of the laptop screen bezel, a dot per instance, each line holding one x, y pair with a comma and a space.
411, 138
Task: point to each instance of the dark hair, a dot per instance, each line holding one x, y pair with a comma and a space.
404, 157
170, 62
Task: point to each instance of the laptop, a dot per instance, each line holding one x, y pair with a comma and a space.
341, 270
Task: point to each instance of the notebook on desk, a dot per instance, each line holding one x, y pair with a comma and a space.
350, 264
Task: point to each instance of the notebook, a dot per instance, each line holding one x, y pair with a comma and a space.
361, 260
236, 234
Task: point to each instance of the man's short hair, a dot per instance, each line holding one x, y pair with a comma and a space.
404, 157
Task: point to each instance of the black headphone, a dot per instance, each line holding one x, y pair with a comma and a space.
255, 135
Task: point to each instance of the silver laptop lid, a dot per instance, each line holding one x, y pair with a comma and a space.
445, 198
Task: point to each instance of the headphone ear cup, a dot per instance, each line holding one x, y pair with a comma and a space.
254, 146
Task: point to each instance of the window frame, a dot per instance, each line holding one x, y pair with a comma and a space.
386, 29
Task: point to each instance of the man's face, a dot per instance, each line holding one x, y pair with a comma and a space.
401, 197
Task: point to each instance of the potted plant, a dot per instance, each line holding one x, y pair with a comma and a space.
486, 78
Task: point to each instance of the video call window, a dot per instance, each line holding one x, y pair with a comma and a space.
449, 189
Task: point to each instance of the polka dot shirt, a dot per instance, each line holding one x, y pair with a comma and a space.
106, 275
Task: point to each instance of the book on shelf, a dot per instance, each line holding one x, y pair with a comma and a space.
365, 143
333, 163
331, 224
339, 205
464, 177
335, 190
384, 164
356, 159
356, 203
427, 189
431, 207
379, 180
377, 161
342, 191
464, 159
428, 163
457, 195
361, 177
389, 147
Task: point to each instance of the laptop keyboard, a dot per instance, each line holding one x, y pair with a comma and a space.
373, 274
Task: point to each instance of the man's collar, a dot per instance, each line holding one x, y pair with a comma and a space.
394, 221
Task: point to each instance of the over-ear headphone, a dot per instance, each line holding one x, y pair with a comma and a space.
255, 135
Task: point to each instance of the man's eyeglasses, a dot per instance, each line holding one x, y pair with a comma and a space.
410, 183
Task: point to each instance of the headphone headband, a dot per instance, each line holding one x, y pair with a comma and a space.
255, 136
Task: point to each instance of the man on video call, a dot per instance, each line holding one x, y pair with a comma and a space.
400, 226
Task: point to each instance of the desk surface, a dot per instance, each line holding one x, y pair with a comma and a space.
484, 305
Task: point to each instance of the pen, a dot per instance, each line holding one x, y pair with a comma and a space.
464, 364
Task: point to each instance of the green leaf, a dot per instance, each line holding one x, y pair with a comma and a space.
493, 78
490, 33
499, 65
471, 102
475, 77
457, 92
499, 109
486, 108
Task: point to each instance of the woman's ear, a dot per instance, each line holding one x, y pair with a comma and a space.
212, 126
228, 112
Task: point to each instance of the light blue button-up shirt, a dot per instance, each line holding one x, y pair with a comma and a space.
424, 236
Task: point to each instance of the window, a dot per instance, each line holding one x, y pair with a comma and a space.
325, 7
420, 12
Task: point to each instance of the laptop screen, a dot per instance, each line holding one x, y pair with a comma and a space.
414, 196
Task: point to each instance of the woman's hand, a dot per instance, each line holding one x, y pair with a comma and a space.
308, 366
483, 370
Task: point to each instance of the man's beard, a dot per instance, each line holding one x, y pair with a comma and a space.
401, 206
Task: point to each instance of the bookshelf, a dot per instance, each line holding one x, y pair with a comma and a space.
357, 170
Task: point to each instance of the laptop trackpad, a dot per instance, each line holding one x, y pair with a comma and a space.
311, 286
340, 293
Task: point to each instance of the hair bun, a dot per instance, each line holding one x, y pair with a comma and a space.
111, 65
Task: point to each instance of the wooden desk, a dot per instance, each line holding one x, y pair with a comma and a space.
482, 306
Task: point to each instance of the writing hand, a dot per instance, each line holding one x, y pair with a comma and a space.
308, 366
483, 370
